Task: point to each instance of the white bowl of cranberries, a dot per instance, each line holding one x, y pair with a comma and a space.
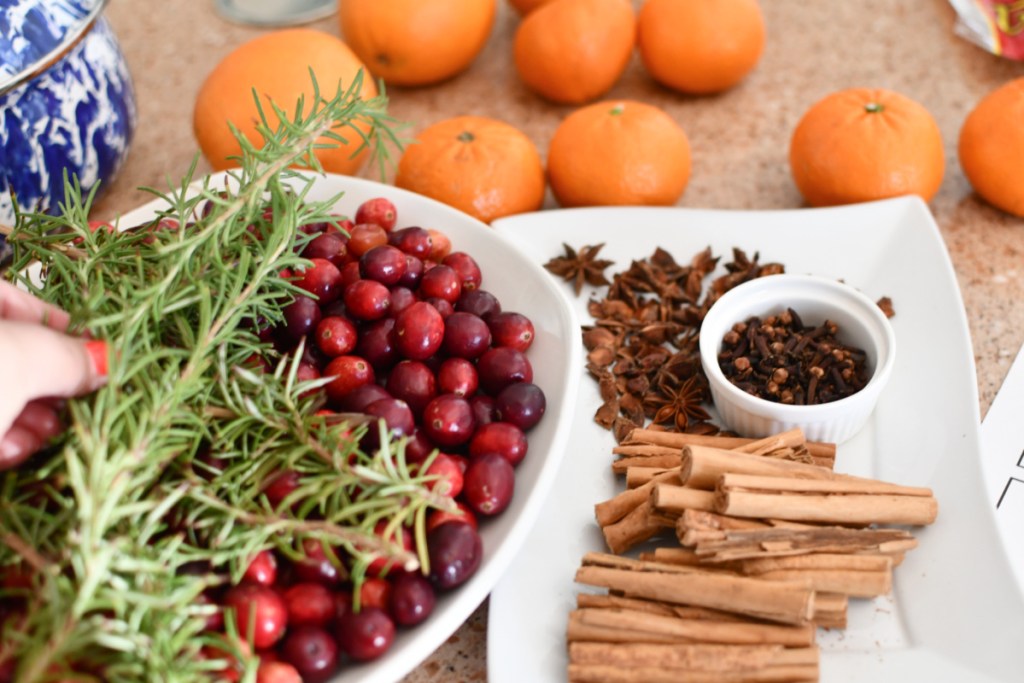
428, 320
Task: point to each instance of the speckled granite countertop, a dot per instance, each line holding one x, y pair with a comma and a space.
740, 142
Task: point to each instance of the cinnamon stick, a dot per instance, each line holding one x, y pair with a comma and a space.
780, 601
637, 526
677, 440
670, 498
638, 476
597, 601
751, 543
580, 673
706, 465
614, 509
830, 610
694, 657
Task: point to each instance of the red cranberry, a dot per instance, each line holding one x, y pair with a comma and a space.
342, 604
317, 566
336, 336
463, 515
396, 415
401, 537
413, 241
262, 569
312, 651
522, 404
322, 279
263, 608
379, 211
414, 383
377, 343
330, 247
479, 302
375, 592
419, 330
465, 335
502, 438
356, 400
401, 299
467, 269
367, 300
301, 317
455, 554
413, 272
448, 470
440, 245
349, 274
309, 604
489, 484
227, 652
350, 373
483, 409
276, 672
511, 329
442, 282
502, 366
457, 376
280, 485
418, 447
384, 264
307, 372
448, 420
443, 307
364, 237
412, 599
366, 635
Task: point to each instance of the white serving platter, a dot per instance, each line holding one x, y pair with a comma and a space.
955, 613
520, 285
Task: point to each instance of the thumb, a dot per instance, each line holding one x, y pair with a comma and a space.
37, 362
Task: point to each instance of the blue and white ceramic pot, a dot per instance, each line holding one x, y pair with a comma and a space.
66, 101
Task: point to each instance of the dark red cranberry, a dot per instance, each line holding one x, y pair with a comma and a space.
330, 247
414, 383
367, 300
483, 409
379, 211
350, 373
467, 269
401, 299
448, 469
301, 317
366, 635
443, 307
336, 336
342, 604
271, 671
262, 569
448, 420
502, 438
419, 331
401, 537
309, 604
413, 272
349, 274
312, 651
307, 372
396, 414
412, 599
441, 282
214, 621
263, 608
522, 404
455, 553
418, 447
377, 343
357, 400
322, 279
489, 484
457, 376
384, 264
502, 366
462, 515
375, 592
413, 241
465, 335
317, 566
280, 485
511, 329
479, 302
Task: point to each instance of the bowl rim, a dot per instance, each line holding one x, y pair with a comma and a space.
75, 34
863, 308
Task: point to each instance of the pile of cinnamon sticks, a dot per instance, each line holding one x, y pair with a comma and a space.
770, 542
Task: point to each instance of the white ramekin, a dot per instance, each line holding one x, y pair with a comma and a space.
815, 299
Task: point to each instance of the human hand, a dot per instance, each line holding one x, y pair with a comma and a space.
39, 365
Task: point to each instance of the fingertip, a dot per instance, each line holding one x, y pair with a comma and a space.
16, 445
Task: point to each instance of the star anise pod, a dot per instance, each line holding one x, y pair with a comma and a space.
580, 267
678, 406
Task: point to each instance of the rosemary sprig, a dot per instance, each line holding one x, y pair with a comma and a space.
155, 492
